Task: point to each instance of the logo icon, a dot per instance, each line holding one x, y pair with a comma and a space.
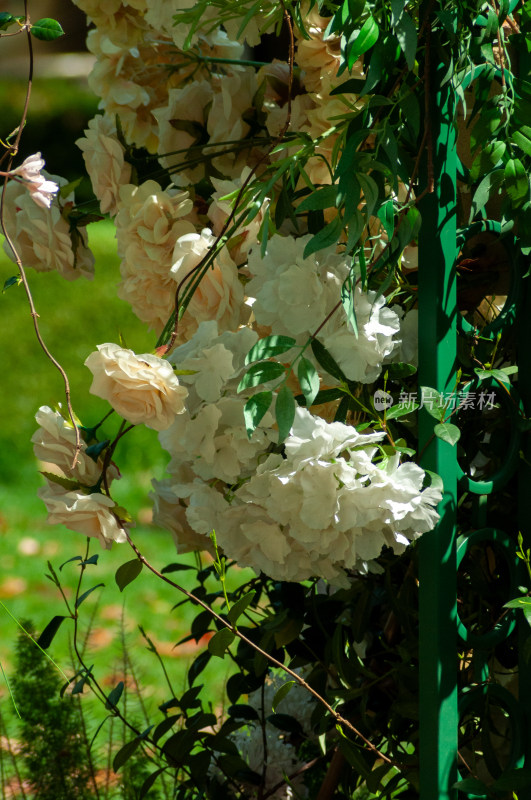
382, 400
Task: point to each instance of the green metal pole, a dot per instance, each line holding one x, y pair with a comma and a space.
437, 367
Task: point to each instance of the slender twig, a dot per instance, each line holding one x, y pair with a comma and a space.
340, 720
11, 154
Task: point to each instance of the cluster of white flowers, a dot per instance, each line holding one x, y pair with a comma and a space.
329, 498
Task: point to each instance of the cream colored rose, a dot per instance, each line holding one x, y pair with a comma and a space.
42, 236
89, 514
141, 388
54, 442
104, 159
180, 120
220, 294
148, 224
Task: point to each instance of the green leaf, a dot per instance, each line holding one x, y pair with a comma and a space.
406, 33
397, 9
347, 301
175, 568
520, 602
125, 753
217, 646
74, 558
48, 634
401, 410
281, 694
497, 374
308, 379
84, 596
65, 190
165, 726
326, 361
516, 181
433, 401
255, 409
363, 41
471, 786
487, 158
46, 29
148, 783
522, 138
355, 9
114, 696
66, 483
370, 192
322, 198
240, 606
15, 280
269, 346
127, 573
262, 372
285, 722
447, 432
6, 19
488, 185
386, 214
400, 370
329, 235
284, 412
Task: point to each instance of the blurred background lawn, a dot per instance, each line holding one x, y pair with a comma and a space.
74, 319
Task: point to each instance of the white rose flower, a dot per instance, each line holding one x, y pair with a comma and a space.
188, 106
89, 514
54, 442
141, 388
212, 360
220, 294
361, 357
104, 159
42, 236
292, 293
148, 224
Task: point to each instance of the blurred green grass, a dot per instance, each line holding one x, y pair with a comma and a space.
74, 319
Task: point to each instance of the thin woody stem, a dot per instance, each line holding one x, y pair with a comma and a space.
18, 260
340, 720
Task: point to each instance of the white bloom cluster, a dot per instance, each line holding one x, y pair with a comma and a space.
291, 292
327, 499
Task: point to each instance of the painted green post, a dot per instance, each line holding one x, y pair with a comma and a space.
437, 366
